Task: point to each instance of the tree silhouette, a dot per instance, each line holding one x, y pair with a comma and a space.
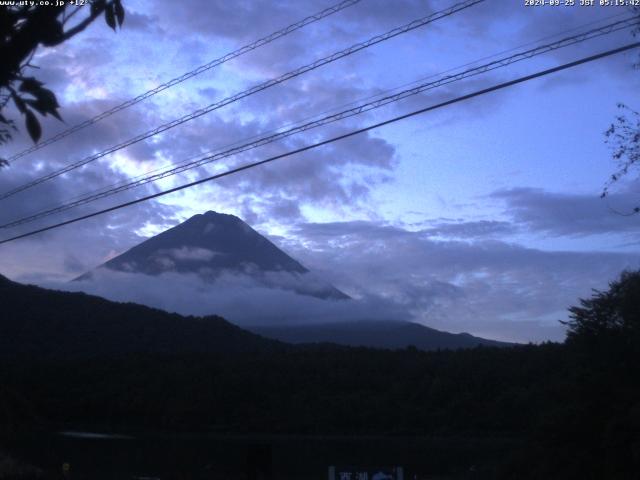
614, 313
623, 136
24, 28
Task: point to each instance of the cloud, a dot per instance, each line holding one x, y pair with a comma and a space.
472, 285
335, 177
318, 177
472, 229
485, 287
246, 302
569, 214
191, 254
221, 19
239, 298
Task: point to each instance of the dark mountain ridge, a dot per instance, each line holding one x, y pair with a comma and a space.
40, 323
375, 334
49, 324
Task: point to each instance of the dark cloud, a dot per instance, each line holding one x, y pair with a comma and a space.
229, 20
478, 229
566, 214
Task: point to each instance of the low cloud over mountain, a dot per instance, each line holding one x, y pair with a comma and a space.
217, 264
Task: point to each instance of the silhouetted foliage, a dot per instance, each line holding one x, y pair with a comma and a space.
615, 312
24, 28
623, 136
594, 431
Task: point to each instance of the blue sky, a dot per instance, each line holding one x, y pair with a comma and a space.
482, 217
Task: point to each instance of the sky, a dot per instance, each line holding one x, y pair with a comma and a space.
482, 217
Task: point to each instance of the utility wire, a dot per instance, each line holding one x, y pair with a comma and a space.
255, 89
357, 110
353, 102
197, 71
334, 139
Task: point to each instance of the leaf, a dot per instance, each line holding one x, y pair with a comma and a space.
43, 109
119, 11
33, 126
109, 17
55, 113
30, 85
36, 105
19, 103
48, 98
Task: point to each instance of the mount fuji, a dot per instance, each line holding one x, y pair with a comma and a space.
218, 249
214, 244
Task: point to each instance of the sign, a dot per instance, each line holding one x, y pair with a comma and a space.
365, 473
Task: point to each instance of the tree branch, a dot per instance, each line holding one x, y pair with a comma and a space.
82, 25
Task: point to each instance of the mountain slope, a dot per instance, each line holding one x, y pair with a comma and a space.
211, 244
377, 334
37, 322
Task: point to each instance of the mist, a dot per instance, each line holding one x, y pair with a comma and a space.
238, 298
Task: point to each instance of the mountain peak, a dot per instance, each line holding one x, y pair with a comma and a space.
212, 243
211, 215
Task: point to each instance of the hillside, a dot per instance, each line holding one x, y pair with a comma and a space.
42, 323
376, 334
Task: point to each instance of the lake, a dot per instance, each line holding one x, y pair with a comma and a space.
100, 455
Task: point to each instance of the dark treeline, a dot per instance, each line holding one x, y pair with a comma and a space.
578, 412
574, 406
310, 390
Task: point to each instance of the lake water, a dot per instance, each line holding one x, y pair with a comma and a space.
101, 456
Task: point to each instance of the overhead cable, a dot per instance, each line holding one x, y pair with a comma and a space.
332, 140
190, 74
255, 89
357, 110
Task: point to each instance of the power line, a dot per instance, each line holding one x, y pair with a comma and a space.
357, 110
353, 102
255, 89
190, 74
334, 139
